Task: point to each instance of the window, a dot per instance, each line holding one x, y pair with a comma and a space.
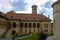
21, 25
46, 30
13, 32
25, 25
34, 8
54, 20
30, 32
0, 21
45, 25
30, 25
34, 25
51, 25
14, 24
38, 25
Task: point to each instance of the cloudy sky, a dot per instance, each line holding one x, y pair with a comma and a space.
24, 6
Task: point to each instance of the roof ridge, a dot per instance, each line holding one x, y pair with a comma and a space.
28, 16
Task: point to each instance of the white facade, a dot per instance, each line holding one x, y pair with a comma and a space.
56, 16
57, 26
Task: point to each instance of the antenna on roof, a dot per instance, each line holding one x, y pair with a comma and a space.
42, 13
48, 16
12, 10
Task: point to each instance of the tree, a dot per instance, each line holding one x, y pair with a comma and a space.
42, 36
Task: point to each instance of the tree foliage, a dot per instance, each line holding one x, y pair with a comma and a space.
42, 36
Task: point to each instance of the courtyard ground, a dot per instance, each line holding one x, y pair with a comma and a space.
36, 38
28, 38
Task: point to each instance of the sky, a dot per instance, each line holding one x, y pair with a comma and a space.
24, 6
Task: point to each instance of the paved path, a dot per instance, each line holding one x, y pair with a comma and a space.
6, 39
10, 38
51, 38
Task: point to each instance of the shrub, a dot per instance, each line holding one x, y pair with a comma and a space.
42, 35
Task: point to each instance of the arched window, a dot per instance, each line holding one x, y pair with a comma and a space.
21, 25
51, 30
38, 25
25, 25
13, 32
34, 25
34, 8
14, 24
30, 25
30, 32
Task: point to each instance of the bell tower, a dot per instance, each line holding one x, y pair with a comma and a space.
56, 20
34, 9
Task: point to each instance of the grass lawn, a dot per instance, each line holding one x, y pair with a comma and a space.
30, 38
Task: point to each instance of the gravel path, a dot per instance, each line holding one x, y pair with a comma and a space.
51, 38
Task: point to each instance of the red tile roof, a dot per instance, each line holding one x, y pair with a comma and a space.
20, 16
3, 15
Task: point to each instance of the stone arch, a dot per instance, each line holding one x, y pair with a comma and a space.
34, 25
38, 25
30, 25
26, 25
14, 24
